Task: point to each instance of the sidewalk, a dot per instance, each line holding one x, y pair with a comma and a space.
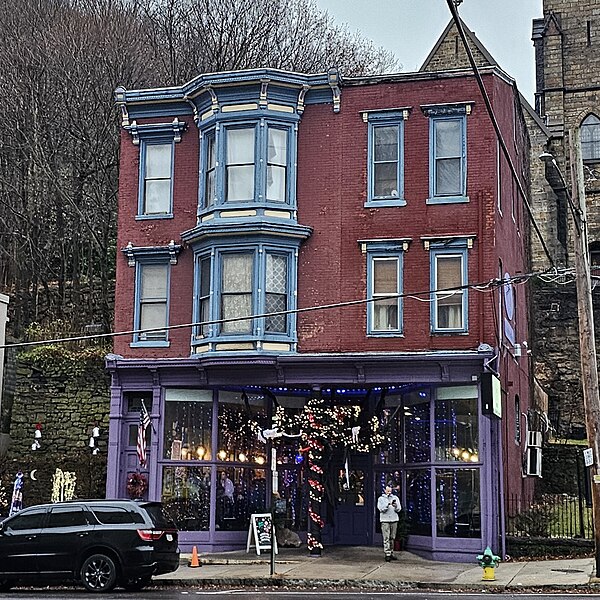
364, 567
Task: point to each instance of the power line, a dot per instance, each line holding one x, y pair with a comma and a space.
490, 110
422, 295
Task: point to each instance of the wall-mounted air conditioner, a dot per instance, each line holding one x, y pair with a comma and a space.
534, 461
534, 439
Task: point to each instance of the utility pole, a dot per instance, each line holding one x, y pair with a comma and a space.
587, 341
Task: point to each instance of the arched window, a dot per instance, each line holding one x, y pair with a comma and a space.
590, 138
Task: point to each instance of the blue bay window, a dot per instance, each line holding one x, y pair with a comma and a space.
248, 162
449, 277
384, 286
447, 152
236, 282
386, 158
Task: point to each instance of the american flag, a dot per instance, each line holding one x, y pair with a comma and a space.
141, 437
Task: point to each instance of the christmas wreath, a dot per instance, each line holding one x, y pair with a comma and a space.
137, 484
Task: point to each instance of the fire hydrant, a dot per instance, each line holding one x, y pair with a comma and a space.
489, 561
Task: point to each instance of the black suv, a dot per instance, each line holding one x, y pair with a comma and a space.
100, 543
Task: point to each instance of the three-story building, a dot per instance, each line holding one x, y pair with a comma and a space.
283, 235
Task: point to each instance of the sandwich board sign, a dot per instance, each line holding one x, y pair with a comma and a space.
259, 532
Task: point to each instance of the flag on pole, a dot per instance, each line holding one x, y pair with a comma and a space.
141, 437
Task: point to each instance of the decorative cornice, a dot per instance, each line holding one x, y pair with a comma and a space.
218, 228
175, 128
301, 96
448, 241
334, 81
451, 108
135, 253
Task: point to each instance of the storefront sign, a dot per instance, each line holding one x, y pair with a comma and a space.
259, 532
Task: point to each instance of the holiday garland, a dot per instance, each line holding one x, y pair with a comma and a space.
322, 427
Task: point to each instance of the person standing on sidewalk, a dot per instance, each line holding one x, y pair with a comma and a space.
388, 506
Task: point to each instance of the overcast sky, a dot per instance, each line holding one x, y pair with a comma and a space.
410, 28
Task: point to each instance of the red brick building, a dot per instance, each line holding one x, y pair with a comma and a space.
286, 236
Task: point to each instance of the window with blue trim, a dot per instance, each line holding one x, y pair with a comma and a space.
386, 159
447, 153
238, 282
157, 157
384, 286
248, 162
156, 178
152, 299
449, 297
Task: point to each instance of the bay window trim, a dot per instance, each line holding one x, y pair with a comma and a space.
262, 121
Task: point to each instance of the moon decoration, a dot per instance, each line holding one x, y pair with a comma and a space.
32, 475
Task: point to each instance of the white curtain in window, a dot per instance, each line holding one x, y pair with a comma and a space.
385, 282
236, 291
449, 303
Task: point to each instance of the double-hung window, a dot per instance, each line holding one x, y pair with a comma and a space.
590, 138
449, 296
236, 291
152, 297
151, 293
447, 153
248, 162
384, 287
239, 164
386, 158
157, 171
156, 163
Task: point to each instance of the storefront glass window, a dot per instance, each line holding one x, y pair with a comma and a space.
240, 492
289, 447
237, 440
391, 423
294, 493
456, 424
458, 512
188, 424
418, 501
186, 496
416, 426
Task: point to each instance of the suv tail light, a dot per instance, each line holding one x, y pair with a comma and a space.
149, 535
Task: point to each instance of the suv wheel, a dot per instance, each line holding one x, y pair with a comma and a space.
99, 573
135, 584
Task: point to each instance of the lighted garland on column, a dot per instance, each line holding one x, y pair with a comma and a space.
322, 428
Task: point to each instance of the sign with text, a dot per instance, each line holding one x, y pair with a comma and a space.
260, 532
588, 457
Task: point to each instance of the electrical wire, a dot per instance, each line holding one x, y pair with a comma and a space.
494, 121
425, 295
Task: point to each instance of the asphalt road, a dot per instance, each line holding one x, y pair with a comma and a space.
190, 593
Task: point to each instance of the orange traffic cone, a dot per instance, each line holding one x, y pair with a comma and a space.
194, 562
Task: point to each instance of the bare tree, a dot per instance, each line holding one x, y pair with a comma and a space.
60, 61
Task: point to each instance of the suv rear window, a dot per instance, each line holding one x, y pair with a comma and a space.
158, 516
115, 515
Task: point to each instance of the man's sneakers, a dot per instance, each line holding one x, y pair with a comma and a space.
390, 558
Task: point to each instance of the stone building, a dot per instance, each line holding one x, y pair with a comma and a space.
567, 55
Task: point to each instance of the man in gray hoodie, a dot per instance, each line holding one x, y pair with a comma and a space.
388, 506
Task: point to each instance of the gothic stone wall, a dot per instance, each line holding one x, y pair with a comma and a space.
556, 355
67, 396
